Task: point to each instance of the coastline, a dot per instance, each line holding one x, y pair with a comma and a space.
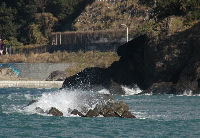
31, 84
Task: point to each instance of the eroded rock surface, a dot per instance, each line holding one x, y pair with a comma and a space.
149, 62
55, 112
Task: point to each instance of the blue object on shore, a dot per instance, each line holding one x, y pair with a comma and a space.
15, 70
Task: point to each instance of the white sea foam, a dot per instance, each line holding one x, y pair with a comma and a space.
188, 93
66, 100
104, 91
131, 91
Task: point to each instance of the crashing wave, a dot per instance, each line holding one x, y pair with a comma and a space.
66, 100
131, 91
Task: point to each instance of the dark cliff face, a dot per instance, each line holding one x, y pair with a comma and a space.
146, 62
149, 64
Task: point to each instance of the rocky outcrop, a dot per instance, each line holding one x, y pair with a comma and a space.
93, 78
108, 109
111, 109
55, 112
170, 63
91, 113
8, 74
31, 102
76, 112
57, 76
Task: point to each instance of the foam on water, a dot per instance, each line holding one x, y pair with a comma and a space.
66, 100
131, 91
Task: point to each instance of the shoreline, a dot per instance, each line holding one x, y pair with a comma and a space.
31, 84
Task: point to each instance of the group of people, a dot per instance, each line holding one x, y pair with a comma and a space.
2, 52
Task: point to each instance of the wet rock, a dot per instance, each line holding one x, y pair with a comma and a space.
119, 108
127, 114
84, 109
189, 79
31, 102
98, 108
57, 76
55, 112
93, 79
105, 110
76, 112
110, 113
91, 113
39, 110
161, 88
115, 109
115, 88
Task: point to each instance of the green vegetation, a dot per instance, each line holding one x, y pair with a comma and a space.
24, 22
32, 21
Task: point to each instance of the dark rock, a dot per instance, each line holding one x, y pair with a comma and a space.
98, 108
76, 112
189, 79
55, 112
161, 88
87, 78
105, 110
119, 108
113, 109
91, 113
127, 114
110, 113
31, 102
114, 88
39, 110
57, 76
84, 109
93, 79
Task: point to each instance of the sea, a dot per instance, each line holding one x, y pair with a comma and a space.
167, 116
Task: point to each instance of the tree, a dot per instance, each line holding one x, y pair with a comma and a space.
46, 22
7, 26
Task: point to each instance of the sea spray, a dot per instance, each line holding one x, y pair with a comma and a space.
131, 91
66, 100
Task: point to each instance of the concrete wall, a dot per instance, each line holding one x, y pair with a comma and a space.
38, 71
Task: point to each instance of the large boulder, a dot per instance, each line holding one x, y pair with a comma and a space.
55, 112
76, 112
93, 79
91, 113
57, 76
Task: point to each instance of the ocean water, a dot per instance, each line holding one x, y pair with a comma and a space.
157, 115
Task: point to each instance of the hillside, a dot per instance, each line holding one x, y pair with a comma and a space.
110, 15
165, 18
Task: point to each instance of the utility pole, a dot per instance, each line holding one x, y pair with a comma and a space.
0, 42
126, 31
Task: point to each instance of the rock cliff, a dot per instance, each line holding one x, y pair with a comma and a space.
171, 63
